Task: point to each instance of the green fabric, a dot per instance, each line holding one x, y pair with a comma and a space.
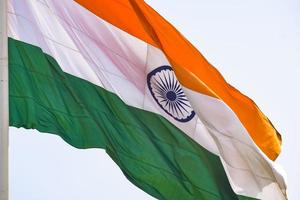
152, 153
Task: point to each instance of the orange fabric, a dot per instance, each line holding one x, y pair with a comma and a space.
191, 68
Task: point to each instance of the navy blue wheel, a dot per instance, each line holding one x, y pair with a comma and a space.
168, 94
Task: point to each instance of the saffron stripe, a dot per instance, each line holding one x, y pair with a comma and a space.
191, 68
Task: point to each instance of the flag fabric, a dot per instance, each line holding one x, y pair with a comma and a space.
114, 74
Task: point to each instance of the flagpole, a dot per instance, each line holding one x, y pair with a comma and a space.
4, 117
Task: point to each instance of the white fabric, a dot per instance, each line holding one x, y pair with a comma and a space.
92, 49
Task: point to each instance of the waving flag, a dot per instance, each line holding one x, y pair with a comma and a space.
114, 74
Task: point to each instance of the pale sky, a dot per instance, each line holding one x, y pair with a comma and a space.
255, 44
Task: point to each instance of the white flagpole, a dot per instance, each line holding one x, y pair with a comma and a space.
4, 117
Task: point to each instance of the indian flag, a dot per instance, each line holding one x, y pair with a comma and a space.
114, 74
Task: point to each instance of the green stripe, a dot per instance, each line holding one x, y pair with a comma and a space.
152, 153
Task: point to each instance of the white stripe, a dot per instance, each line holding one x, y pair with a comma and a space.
92, 49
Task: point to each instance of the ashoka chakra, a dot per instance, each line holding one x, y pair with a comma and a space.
168, 94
